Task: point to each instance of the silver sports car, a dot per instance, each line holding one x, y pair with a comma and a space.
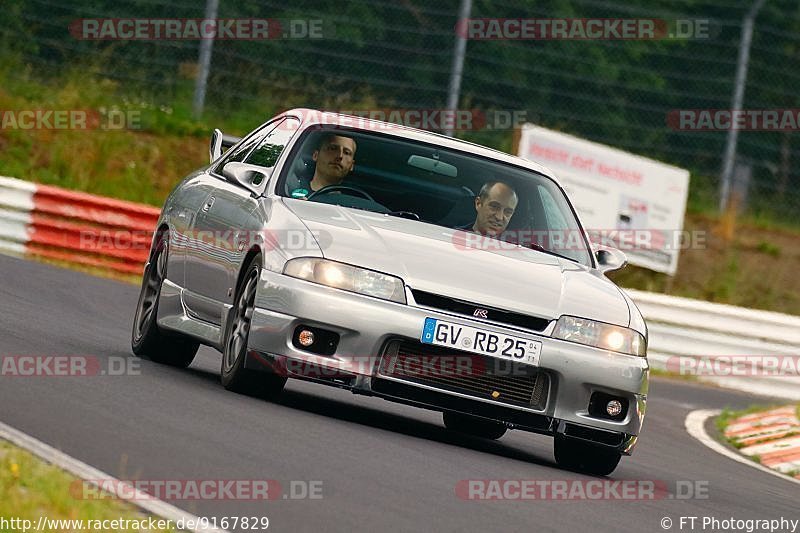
402, 264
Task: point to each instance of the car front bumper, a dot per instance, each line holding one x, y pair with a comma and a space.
366, 326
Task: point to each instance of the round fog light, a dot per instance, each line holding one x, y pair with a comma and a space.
305, 338
614, 407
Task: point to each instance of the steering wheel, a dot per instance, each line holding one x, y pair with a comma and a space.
342, 188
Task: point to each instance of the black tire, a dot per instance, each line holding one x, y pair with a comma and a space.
585, 457
470, 425
147, 340
234, 376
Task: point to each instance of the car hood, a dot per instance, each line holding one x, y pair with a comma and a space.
442, 261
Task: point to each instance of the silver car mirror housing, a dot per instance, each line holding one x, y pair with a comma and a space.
251, 177
609, 259
215, 146
219, 144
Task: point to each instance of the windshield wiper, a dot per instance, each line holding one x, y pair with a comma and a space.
538, 247
551, 252
404, 214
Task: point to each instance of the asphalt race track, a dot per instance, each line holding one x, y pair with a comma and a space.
383, 466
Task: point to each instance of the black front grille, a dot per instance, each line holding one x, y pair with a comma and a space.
445, 303
475, 375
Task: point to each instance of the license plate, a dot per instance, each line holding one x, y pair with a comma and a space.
476, 340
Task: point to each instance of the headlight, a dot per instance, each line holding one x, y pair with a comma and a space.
600, 335
347, 278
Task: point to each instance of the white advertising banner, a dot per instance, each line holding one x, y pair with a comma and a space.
635, 203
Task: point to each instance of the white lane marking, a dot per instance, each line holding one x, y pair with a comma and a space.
695, 426
86, 472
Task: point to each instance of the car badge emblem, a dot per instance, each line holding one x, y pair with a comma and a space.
481, 313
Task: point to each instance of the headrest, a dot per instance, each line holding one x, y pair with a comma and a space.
303, 167
463, 210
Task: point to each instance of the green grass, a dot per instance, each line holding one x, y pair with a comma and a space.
703, 195
766, 213
769, 249
660, 373
725, 282
31, 488
140, 162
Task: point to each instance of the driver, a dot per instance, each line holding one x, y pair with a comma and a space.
334, 158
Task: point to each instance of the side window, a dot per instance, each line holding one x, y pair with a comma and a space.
239, 153
270, 148
555, 220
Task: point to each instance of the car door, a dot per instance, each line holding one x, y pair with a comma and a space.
225, 228
184, 207
200, 247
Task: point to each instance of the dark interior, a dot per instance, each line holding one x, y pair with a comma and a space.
382, 170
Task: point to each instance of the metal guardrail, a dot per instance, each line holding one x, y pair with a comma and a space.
733, 347
74, 227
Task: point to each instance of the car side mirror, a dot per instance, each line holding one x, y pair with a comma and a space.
219, 143
215, 147
251, 177
609, 258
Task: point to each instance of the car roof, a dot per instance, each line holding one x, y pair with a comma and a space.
313, 117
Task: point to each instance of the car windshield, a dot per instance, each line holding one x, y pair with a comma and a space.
434, 185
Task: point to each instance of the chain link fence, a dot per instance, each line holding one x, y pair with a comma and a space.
399, 54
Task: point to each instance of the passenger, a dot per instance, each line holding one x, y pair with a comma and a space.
494, 206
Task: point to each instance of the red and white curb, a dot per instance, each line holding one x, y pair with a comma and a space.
771, 436
696, 427
55, 223
120, 489
16, 207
